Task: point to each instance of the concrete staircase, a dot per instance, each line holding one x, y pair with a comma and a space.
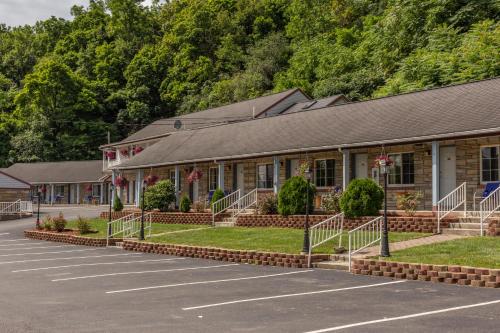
467, 226
230, 221
339, 262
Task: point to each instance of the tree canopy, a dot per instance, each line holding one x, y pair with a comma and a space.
117, 65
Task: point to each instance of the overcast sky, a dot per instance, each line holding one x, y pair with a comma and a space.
20, 12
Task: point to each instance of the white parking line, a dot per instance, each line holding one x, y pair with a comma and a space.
143, 272
96, 264
415, 315
22, 244
291, 295
13, 240
5, 233
66, 258
41, 253
206, 282
37, 247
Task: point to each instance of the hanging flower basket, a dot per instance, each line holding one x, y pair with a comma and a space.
121, 181
111, 155
194, 176
43, 189
383, 161
151, 180
124, 152
88, 188
137, 150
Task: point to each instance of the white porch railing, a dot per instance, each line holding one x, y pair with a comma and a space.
26, 207
325, 231
16, 207
223, 204
133, 226
451, 202
116, 227
244, 203
488, 206
364, 236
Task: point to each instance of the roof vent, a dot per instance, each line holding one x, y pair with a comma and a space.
308, 105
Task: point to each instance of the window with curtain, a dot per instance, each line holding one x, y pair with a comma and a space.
489, 164
265, 176
402, 171
325, 173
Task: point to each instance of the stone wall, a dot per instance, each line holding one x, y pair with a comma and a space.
11, 195
452, 274
169, 218
68, 238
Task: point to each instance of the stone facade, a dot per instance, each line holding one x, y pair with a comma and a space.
10, 195
68, 238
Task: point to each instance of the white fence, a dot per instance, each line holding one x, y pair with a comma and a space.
364, 236
244, 203
325, 231
451, 202
16, 207
128, 226
223, 204
488, 206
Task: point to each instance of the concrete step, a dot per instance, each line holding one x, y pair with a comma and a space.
337, 265
469, 219
225, 224
467, 225
462, 232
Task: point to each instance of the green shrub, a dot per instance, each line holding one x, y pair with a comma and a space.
117, 204
331, 201
363, 197
47, 223
218, 194
59, 222
268, 205
409, 201
185, 204
159, 196
292, 196
83, 226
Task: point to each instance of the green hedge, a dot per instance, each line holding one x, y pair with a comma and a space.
363, 197
160, 196
292, 196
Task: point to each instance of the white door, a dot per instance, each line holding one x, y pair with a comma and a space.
361, 166
240, 178
447, 170
294, 167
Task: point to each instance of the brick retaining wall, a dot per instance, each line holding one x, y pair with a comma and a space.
67, 238
452, 274
243, 256
169, 218
494, 228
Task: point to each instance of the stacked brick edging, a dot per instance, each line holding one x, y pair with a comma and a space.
168, 218
452, 274
396, 223
243, 256
70, 239
494, 228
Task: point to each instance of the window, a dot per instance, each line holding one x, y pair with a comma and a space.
403, 169
172, 176
265, 176
96, 190
59, 190
213, 178
489, 164
325, 173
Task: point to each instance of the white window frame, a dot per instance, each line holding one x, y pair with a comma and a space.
210, 180
171, 176
334, 172
96, 193
392, 168
257, 176
483, 182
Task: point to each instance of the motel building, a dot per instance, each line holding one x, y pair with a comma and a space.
444, 142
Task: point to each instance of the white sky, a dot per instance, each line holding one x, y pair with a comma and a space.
21, 12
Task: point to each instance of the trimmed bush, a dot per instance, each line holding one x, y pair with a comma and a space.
292, 196
47, 223
59, 222
331, 201
185, 204
218, 194
83, 226
117, 204
363, 197
159, 196
268, 205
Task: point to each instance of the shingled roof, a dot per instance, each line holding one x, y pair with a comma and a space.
229, 113
317, 104
58, 172
453, 111
10, 182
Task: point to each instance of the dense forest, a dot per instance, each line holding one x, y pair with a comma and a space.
117, 65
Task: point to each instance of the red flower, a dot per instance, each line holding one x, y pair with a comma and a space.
121, 181
151, 180
138, 149
124, 152
88, 188
383, 160
195, 175
111, 155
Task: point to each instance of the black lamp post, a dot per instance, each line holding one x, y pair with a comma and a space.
111, 189
305, 247
141, 234
384, 250
38, 209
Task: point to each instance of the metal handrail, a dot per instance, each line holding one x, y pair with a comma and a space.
223, 204
134, 226
117, 227
324, 231
8, 205
488, 206
364, 236
248, 200
451, 202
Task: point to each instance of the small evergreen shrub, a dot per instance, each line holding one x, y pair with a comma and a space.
83, 226
59, 222
117, 204
218, 194
47, 223
363, 197
293, 196
331, 201
185, 204
159, 196
268, 205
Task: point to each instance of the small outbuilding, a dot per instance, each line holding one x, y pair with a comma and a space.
13, 188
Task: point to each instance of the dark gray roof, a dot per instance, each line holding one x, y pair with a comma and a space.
240, 111
58, 172
317, 104
460, 110
10, 182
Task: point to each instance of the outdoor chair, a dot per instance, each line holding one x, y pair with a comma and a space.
488, 188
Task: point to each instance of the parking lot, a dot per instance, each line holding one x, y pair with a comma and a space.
54, 287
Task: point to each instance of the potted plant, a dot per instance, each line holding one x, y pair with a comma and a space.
151, 180
111, 155
137, 149
124, 152
194, 176
121, 181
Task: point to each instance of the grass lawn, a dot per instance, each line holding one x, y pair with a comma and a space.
157, 228
281, 240
475, 251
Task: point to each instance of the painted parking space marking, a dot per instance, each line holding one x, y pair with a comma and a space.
414, 315
207, 282
97, 264
143, 272
291, 295
4, 233
22, 244
66, 258
36, 247
14, 240
42, 253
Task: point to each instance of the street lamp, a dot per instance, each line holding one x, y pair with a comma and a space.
141, 234
38, 210
305, 247
111, 190
384, 163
